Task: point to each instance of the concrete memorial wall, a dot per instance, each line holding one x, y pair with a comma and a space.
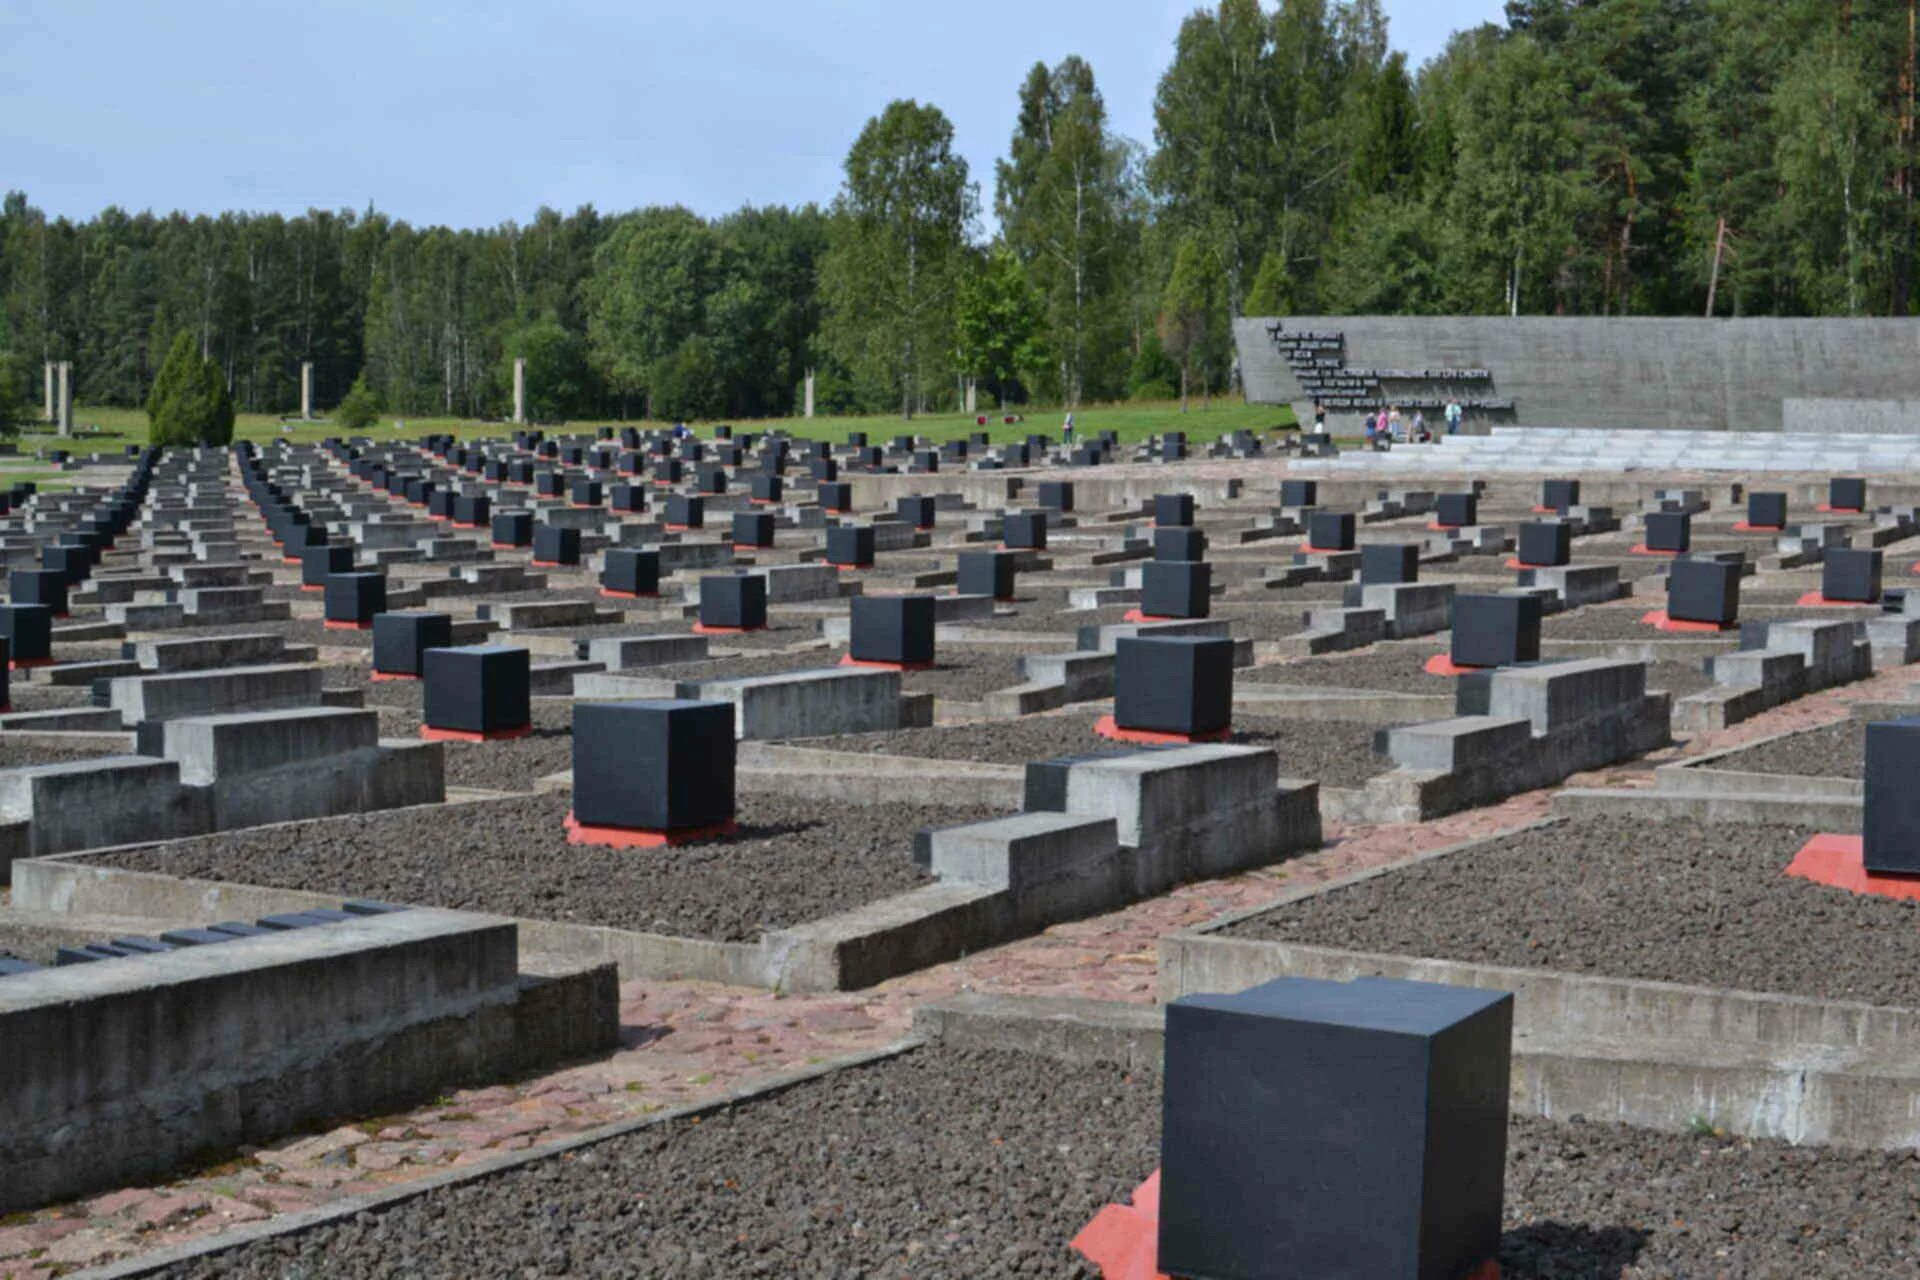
1665, 372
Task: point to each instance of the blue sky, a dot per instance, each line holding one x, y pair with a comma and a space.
474, 112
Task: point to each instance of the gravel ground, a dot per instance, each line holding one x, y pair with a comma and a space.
1335, 753
1681, 902
794, 861
1392, 669
1833, 751
23, 696
15, 753
955, 1164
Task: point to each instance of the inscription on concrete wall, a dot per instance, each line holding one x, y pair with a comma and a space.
1318, 361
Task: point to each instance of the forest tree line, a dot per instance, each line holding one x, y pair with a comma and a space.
1585, 157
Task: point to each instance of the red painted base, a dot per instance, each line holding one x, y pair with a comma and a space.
1308, 549
1441, 664
462, 524
748, 546
1814, 600
1134, 615
289, 560
1659, 621
1123, 1240
853, 568
848, 660
677, 528
334, 625
1642, 549
611, 594
432, 734
508, 546
1436, 527
1106, 728
382, 677
1839, 862
1517, 563
553, 564
28, 664
1545, 511
702, 629
1744, 527
305, 587
1841, 511
636, 838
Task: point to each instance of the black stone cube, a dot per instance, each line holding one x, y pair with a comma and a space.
1767, 510
1171, 510
317, 564
653, 766
399, 640
352, 599
1173, 684
1495, 631
550, 484
585, 492
1299, 493
1545, 542
1317, 1128
892, 629
836, 497
712, 479
823, 469
632, 571
1056, 495
1389, 563
1330, 531
73, 564
39, 586
1847, 493
1024, 531
1559, 495
1890, 829
1669, 531
1175, 588
480, 688
513, 529
627, 498
1851, 574
1704, 591
1175, 542
1173, 450
986, 573
1456, 510
666, 471
440, 504
918, 512
685, 511
768, 488
28, 629
752, 529
555, 545
734, 600
850, 545
925, 462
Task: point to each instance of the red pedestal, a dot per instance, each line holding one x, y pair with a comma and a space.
335, 625
432, 734
383, 677
848, 660
702, 629
1516, 563
636, 838
1134, 615
611, 594
1441, 664
1841, 511
1744, 527
1659, 620
1814, 600
1839, 862
1106, 728
1642, 549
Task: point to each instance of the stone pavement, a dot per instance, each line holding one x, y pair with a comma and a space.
684, 1042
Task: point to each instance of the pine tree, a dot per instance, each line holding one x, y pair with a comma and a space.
189, 403
360, 408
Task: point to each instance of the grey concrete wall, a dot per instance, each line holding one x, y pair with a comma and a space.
1828, 416
1674, 373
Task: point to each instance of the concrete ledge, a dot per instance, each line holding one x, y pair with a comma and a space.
858, 777
1824, 813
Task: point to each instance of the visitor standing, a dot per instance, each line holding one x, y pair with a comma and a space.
1453, 416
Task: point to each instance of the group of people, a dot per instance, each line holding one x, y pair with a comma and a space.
1390, 426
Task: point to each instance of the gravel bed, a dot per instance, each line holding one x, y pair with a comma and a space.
23, 696
14, 753
297, 632
1616, 622
1390, 669
1677, 678
1679, 901
961, 673
1832, 751
794, 860
954, 1164
1335, 753
513, 764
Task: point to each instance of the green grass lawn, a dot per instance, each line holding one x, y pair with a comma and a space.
108, 429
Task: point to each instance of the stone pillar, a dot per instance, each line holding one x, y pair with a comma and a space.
972, 397
809, 408
47, 409
520, 389
306, 391
65, 398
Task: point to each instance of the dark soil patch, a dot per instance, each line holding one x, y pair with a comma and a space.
1684, 902
955, 1164
1335, 753
793, 861
1832, 751
1388, 668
